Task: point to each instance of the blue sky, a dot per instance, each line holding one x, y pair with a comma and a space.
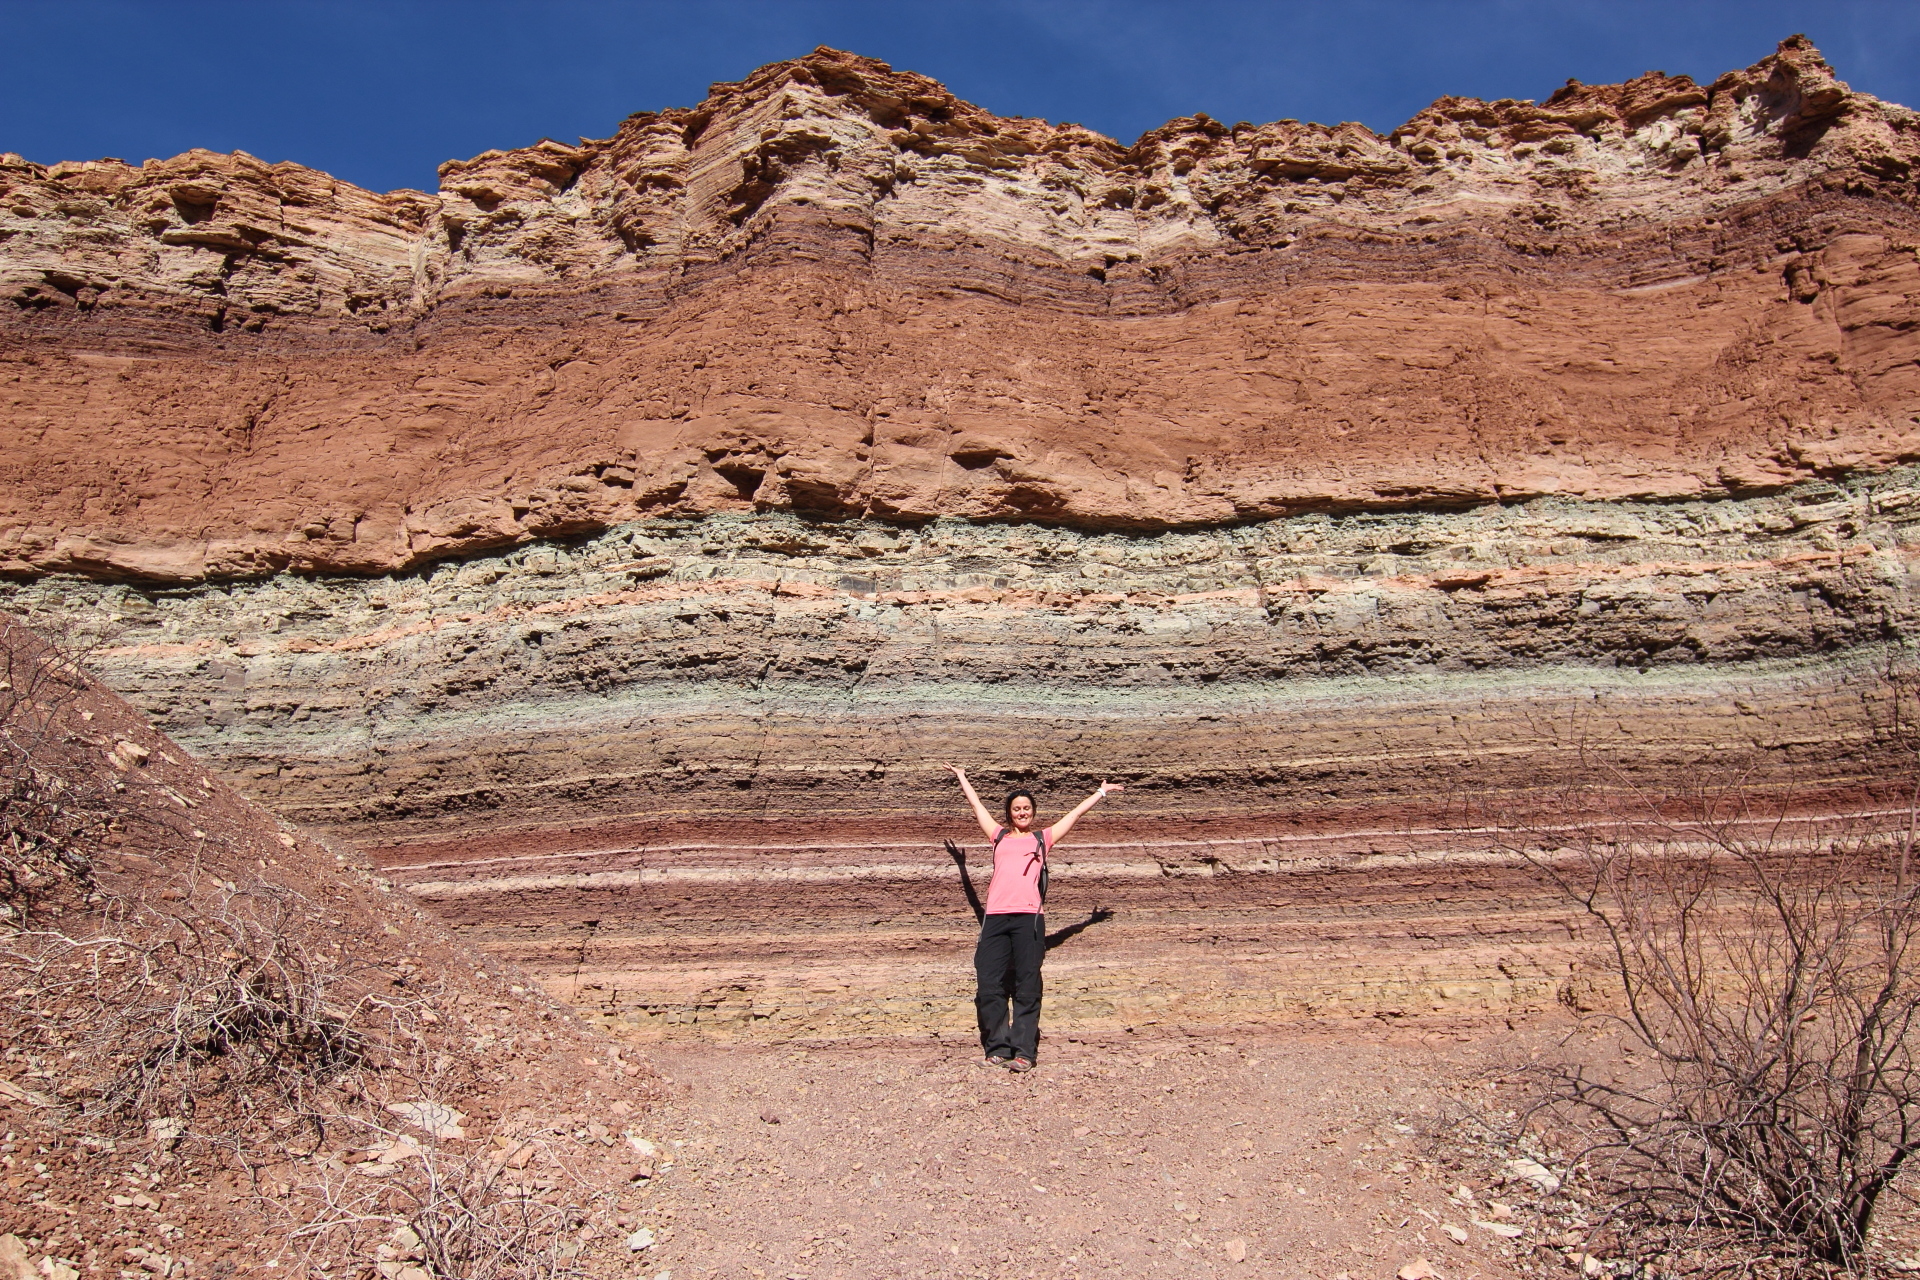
381, 92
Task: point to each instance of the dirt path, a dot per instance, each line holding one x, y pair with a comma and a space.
1271, 1157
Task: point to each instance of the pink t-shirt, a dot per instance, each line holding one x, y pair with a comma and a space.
1015, 887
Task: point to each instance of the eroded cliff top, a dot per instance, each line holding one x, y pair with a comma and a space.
834, 287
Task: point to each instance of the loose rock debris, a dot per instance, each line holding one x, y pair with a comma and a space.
911, 1160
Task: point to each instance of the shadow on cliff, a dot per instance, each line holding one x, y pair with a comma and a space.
1099, 915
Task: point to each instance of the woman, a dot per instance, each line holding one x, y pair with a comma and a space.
1013, 932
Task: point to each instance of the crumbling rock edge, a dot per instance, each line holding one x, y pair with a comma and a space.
834, 288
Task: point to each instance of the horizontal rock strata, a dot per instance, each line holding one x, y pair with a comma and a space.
835, 288
687, 755
620, 540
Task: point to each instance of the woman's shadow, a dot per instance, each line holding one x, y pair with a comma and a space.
1054, 939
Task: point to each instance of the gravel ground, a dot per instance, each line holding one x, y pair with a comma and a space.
1298, 1156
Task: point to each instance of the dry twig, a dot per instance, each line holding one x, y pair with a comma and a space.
1767, 971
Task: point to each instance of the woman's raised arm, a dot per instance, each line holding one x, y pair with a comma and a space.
1065, 824
987, 825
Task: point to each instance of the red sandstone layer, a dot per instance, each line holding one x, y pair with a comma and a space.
834, 287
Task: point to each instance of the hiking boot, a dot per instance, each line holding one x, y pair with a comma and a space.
998, 1060
1020, 1064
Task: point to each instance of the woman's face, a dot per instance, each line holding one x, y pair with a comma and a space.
1021, 811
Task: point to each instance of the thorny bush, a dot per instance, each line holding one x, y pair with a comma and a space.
212, 995
53, 805
215, 1004
1767, 969
459, 1214
221, 1013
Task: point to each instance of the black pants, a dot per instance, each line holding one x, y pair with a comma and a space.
1006, 966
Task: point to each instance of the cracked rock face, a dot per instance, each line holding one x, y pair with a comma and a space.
619, 540
685, 768
835, 288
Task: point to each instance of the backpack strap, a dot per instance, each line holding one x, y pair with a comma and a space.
1044, 839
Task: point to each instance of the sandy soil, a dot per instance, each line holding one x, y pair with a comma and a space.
1296, 1155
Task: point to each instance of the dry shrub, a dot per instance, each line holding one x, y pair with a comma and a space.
53, 808
453, 1213
226, 1015
213, 1023
214, 1003
1766, 969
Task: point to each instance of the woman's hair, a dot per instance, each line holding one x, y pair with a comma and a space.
1007, 808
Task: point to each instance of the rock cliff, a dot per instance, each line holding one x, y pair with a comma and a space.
835, 288
618, 540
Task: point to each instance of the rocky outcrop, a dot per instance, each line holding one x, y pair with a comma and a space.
180, 968
685, 768
834, 288
763, 665
619, 541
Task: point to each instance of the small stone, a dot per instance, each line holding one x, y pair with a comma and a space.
1418, 1269
379, 1162
1456, 1234
770, 1117
1499, 1212
641, 1147
166, 1130
13, 1259
1533, 1171
1236, 1250
641, 1239
436, 1118
1081, 1131
33, 1098
286, 840
414, 1273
